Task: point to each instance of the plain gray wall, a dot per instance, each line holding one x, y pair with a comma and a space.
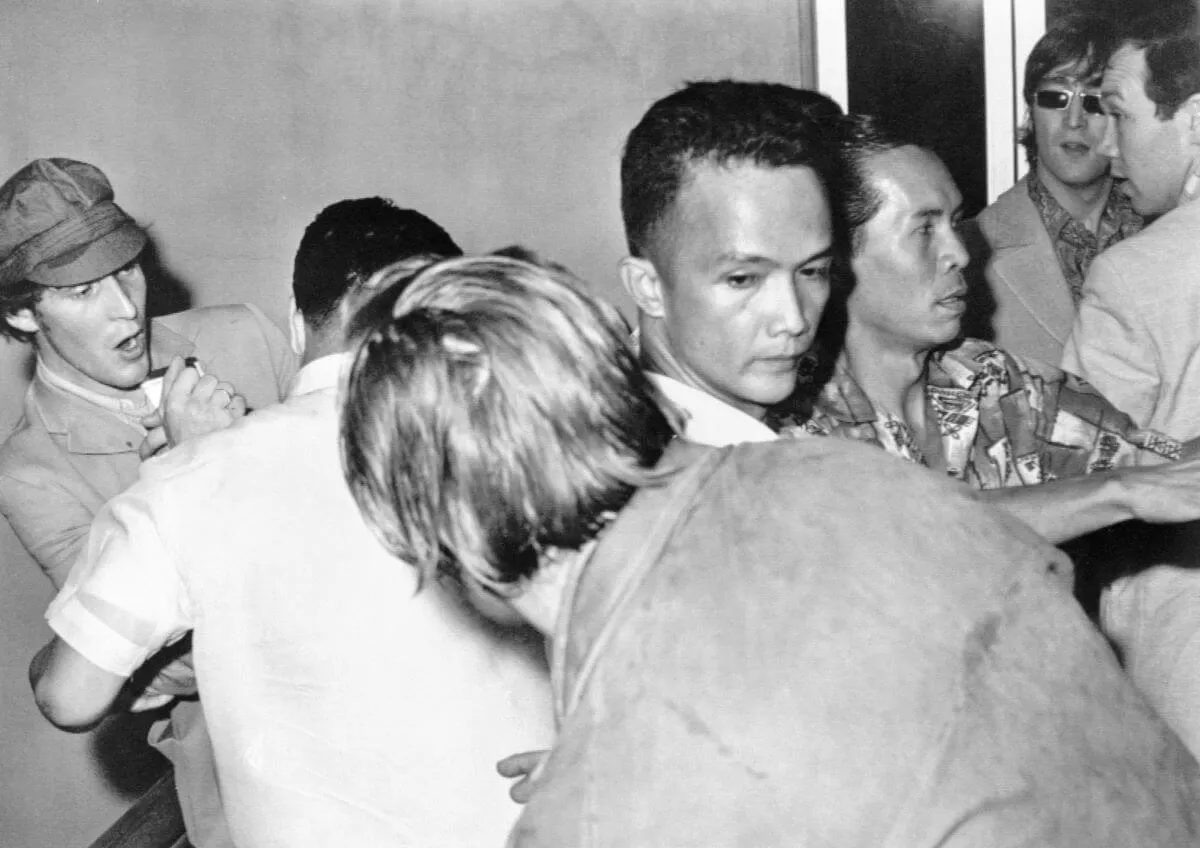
225, 126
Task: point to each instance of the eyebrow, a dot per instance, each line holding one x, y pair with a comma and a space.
935, 212
756, 259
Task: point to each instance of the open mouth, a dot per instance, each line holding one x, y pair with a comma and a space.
133, 345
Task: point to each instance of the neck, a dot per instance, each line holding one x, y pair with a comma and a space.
1084, 203
321, 343
656, 355
892, 375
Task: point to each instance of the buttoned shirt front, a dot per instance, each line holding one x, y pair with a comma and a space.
345, 706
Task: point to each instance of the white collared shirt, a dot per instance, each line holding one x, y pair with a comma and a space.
345, 707
711, 421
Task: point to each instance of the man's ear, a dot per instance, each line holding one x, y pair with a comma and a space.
297, 331
23, 320
643, 285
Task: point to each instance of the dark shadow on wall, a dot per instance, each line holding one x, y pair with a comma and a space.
981, 302
124, 757
165, 291
918, 67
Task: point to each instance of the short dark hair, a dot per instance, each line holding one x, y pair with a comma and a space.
767, 124
1169, 32
860, 139
350, 241
14, 299
1078, 39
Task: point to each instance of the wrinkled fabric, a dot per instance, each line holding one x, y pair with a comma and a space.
68, 456
1075, 246
345, 706
1003, 421
804, 643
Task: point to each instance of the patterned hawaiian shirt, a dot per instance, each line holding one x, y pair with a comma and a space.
1074, 244
1004, 421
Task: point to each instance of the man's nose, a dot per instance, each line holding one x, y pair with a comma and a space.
1075, 116
120, 303
956, 256
787, 309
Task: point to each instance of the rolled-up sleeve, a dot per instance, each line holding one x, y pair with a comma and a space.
124, 599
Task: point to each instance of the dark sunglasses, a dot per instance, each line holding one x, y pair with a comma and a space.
1052, 98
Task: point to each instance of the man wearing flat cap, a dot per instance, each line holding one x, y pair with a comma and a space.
71, 284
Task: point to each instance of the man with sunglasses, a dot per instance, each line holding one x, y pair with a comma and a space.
1033, 246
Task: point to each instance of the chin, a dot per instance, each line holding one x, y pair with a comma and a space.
767, 396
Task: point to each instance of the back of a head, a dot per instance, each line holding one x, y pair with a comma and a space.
1169, 32
492, 407
726, 121
351, 240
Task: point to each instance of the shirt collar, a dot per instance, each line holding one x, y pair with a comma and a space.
319, 374
133, 407
710, 421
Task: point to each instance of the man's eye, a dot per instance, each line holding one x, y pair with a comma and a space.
741, 280
81, 291
817, 272
128, 268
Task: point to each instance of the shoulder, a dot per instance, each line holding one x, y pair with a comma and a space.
1009, 217
30, 447
231, 317
1014, 200
284, 434
1169, 246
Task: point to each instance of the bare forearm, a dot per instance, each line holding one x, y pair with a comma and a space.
1065, 509
72, 693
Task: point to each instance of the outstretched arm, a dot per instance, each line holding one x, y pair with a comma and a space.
1064, 509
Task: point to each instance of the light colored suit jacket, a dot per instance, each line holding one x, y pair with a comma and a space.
1013, 257
67, 456
1137, 335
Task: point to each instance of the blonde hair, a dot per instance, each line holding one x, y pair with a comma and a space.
492, 408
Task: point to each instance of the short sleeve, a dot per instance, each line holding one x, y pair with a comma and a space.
1108, 346
124, 599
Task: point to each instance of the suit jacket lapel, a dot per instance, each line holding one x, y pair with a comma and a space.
1022, 249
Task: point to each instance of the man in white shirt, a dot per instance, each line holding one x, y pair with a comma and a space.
723, 194
345, 706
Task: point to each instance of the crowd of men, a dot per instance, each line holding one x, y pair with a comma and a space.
331, 563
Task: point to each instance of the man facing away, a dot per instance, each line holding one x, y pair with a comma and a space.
723, 194
72, 285
1038, 442
346, 707
1034, 245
